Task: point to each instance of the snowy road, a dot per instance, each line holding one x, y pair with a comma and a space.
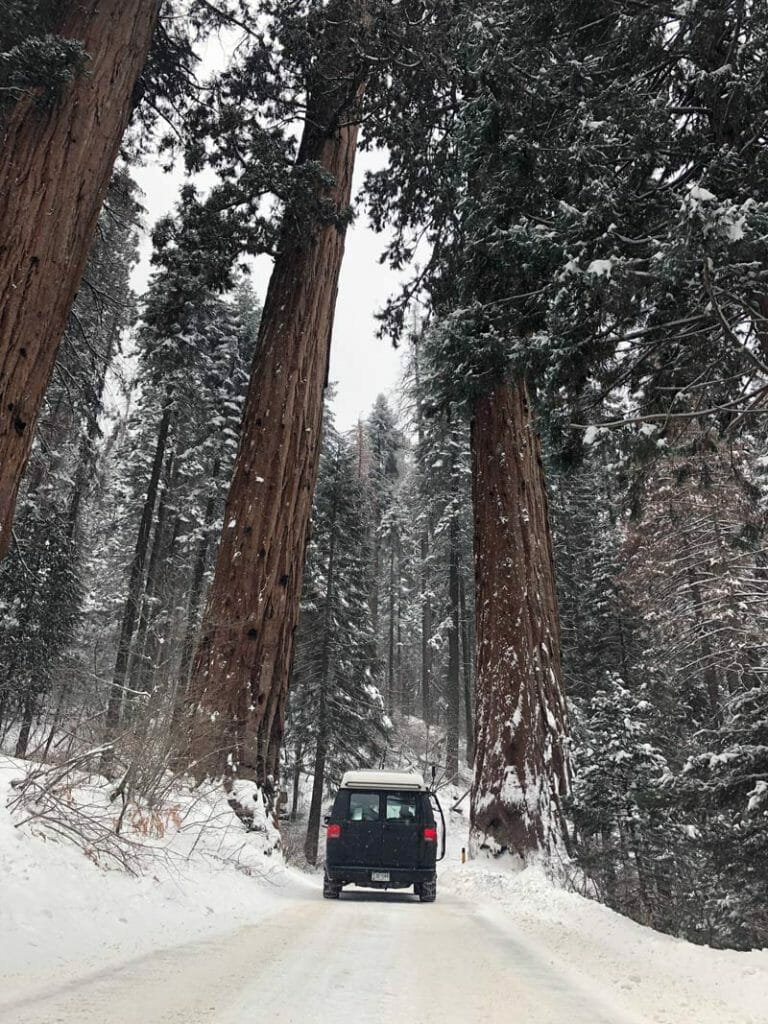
370, 957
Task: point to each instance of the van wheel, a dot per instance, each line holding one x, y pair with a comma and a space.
331, 889
427, 891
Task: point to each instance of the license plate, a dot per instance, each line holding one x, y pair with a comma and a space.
379, 876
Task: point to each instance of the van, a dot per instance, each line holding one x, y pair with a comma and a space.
382, 834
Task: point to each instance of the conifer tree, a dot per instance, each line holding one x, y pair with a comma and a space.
42, 579
179, 449
241, 671
336, 700
56, 161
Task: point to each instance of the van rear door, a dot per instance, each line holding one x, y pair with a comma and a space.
401, 830
361, 833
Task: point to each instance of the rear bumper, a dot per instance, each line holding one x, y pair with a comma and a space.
399, 878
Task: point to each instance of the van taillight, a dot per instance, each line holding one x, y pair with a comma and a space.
430, 834
334, 831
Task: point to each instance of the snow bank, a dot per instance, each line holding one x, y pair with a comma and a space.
63, 917
643, 974
199, 874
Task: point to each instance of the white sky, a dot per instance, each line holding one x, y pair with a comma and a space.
362, 366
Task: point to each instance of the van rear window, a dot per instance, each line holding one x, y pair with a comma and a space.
363, 806
401, 806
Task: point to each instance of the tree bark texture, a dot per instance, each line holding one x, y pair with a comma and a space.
55, 166
241, 671
522, 766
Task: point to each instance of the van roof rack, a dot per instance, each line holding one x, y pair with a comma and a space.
365, 779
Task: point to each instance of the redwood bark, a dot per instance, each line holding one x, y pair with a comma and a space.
521, 735
241, 671
55, 167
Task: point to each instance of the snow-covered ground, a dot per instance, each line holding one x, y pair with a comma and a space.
61, 915
218, 930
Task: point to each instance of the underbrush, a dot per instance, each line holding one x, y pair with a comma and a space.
117, 826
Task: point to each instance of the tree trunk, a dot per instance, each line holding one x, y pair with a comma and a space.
376, 573
453, 688
522, 767
402, 697
135, 584
57, 716
426, 626
137, 675
241, 672
424, 575
466, 658
296, 781
194, 601
27, 717
157, 651
391, 631
318, 782
55, 166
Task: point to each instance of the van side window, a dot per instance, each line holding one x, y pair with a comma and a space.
363, 806
402, 806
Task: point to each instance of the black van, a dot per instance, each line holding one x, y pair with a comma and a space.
382, 834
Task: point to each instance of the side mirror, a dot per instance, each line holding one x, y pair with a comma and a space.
327, 819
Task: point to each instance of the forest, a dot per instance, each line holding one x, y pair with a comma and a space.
539, 563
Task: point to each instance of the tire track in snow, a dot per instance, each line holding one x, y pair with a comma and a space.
370, 957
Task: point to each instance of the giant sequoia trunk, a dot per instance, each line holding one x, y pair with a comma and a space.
242, 666
55, 166
521, 744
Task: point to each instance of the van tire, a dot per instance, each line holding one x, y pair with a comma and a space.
331, 889
427, 891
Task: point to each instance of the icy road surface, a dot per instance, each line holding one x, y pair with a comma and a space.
369, 958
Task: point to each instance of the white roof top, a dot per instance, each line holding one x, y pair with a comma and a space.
383, 780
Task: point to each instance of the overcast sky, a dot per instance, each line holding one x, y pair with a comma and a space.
361, 365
